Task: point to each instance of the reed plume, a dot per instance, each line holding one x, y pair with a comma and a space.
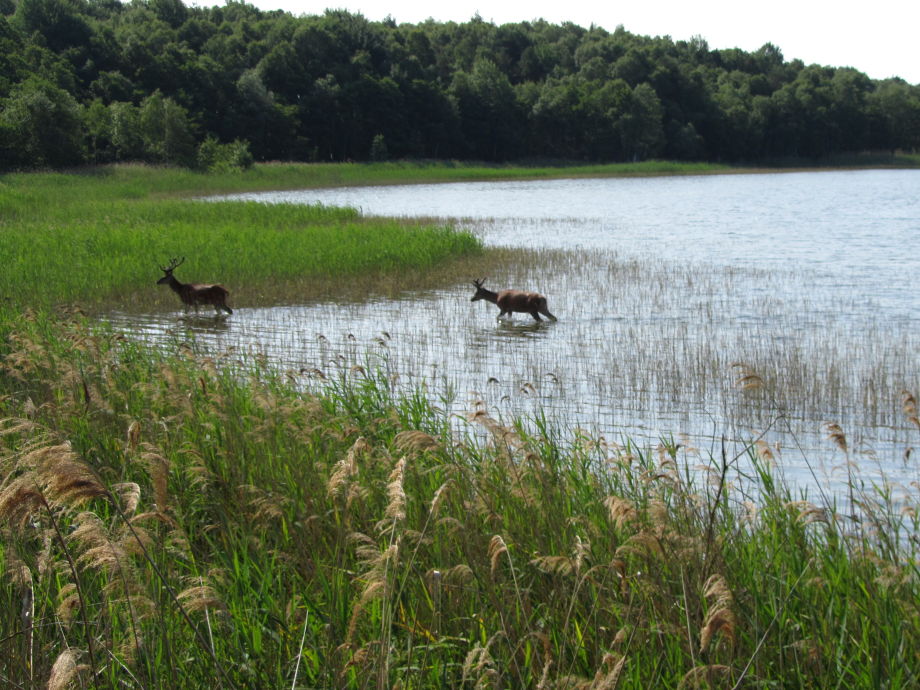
721, 616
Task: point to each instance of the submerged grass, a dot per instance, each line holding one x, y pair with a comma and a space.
155, 505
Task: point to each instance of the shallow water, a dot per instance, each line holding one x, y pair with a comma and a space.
663, 284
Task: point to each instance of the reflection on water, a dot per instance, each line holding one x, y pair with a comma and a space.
805, 278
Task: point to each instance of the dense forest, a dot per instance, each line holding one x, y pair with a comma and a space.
98, 81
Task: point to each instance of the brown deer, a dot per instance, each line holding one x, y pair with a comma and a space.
509, 301
193, 294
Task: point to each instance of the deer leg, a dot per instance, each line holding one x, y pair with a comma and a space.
536, 315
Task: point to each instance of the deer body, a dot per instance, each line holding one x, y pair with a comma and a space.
510, 301
195, 294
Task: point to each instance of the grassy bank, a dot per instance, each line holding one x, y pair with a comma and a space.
97, 239
155, 507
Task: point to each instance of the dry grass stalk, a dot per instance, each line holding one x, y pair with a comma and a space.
620, 511
378, 565
130, 495
748, 379
835, 434
479, 666
200, 597
704, 676
497, 548
265, 507
609, 679
415, 441
721, 617
346, 468
64, 671
158, 470
396, 507
909, 405
133, 436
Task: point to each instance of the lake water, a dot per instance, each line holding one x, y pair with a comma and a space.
661, 285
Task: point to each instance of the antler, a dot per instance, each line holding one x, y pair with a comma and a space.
479, 283
174, 263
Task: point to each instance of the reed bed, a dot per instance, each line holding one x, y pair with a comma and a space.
157, 505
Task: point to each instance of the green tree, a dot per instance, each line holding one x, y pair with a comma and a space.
125, 131
640, 126
59, 22
490, 119
166, 131
41, 125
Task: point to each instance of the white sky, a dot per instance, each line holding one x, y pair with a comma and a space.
878, 38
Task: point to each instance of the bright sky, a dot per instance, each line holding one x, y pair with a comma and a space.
877, 38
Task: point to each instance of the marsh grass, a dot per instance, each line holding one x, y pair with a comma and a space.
644, 350
158, 505
97, 240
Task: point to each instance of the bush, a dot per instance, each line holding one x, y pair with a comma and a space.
216, 157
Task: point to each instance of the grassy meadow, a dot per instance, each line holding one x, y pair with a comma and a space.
175, 520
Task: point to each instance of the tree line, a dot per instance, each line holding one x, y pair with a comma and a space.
100, 81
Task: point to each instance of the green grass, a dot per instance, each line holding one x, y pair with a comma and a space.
97, 239
154, 507
168, 520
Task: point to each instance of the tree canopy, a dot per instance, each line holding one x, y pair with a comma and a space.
93, 81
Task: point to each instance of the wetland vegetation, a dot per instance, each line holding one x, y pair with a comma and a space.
272, 528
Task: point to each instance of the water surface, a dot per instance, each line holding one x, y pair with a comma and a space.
660, 286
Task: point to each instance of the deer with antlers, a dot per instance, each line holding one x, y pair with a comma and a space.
194, 294
510, 301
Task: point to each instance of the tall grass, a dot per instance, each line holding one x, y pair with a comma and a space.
97, 239
158, 506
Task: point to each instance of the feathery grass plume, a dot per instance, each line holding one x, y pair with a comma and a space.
479, 666
809, 513
20, 499
580, 553
129, 493
608, 675
705, 676
620, 511
658, 513
133, 436
765, 452
64, 670
458, 576
909, 405
377, 565
440, 495
415, 441
835, 434
554, 565
158, 469
16, 425
201, 597
68, 602
62, 477
396, 507
497, 548
346, 468
720, 617
265, 507
644, 543
748, 378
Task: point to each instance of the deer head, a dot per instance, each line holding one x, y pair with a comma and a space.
481, 292
167, 270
